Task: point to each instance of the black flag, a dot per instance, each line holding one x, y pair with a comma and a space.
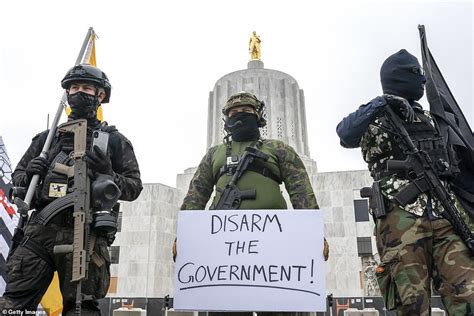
440, 98
453, 124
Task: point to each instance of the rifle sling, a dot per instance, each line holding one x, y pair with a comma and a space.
264, 171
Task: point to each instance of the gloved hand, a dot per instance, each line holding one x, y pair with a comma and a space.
99, 162
400, 106
38, 165
174, 249
326, 250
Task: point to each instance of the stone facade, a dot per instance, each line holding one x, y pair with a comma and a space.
148, 227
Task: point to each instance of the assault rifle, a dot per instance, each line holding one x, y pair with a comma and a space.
92, 204
232, 196
82, 212
419, 169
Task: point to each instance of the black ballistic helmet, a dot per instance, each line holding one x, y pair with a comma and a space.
88, 73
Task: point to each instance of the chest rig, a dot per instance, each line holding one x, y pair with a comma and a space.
425, 135
59, 179
232, 161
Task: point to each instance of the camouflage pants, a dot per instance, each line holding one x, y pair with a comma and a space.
29, 275
413, 250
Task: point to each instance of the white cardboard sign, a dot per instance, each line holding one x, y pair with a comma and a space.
250, 261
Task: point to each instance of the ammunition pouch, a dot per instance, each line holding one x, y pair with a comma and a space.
55, 183
410, 192
444, 159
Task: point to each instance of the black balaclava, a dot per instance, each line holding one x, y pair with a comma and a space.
84, 106
243, 127
401, 75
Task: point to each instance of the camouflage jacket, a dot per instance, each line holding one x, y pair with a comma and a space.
374, 143
363, 129
120, 150
292, 172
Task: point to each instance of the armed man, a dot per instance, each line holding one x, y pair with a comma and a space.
32, 263
247, 170
411, 200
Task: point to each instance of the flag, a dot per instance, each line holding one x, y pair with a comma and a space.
52, 300
8, 214
440, 98
453, 125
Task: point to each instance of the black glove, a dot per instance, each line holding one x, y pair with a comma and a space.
99, 162
38, 165
400, 106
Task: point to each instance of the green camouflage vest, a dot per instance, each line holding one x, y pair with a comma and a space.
268, 196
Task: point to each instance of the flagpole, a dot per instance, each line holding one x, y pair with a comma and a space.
62, 104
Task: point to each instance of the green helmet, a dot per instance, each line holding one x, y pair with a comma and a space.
246, 98
87, 73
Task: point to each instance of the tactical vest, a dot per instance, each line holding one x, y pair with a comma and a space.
262, 176
56, 184
426, 138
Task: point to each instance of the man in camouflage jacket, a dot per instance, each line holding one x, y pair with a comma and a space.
31, 266
416, 245
244, 114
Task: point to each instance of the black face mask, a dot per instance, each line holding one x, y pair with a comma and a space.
83, 105
401, 75
243, 127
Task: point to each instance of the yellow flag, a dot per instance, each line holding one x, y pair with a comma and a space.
52, 300
92, 61
89, 58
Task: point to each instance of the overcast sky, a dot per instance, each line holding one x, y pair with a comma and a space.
163, 58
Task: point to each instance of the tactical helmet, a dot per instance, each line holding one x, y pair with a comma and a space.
88, 73
246, 98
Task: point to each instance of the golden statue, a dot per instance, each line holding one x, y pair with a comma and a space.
254, 46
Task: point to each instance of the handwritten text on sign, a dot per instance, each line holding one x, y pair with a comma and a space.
250, 261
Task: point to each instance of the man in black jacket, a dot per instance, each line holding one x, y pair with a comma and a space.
31, 265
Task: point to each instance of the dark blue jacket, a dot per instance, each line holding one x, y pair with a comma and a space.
351, 129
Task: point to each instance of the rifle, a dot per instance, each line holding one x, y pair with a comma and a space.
420, 170
102, 194
232, 196
82, 212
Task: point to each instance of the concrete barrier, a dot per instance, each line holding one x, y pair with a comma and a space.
361, 312
437, 312
123, 311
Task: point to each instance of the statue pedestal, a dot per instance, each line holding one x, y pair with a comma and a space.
255, 64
